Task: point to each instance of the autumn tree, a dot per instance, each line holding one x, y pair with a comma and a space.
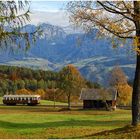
40, 92
116, 19
125, 94
118, 80
13, 75
117, 77
24, 92
71, 82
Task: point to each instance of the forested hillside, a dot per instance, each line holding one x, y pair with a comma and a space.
20, 80
14, 78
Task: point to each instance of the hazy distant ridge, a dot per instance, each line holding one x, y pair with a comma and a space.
55, 48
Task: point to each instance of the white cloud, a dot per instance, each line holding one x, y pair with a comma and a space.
59, 18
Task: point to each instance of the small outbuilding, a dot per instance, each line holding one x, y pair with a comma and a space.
99, 98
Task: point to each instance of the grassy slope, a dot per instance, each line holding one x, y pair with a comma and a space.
42, 122
126, 132
46, 102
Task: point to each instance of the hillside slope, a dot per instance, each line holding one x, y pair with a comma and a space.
55, 49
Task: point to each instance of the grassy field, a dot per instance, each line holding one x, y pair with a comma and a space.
23, 122
47, 122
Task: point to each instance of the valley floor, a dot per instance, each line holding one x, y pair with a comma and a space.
47, 122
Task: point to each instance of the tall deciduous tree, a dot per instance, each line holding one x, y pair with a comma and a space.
71, 82
118, 79
117, 19
125, 94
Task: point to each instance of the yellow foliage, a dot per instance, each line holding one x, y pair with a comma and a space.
112, 18
136, 44
24, 91
40, 92
125, 94
136, 41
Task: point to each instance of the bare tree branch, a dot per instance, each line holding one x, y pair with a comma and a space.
111, 10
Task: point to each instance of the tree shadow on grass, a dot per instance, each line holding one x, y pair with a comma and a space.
126, 132
70, 123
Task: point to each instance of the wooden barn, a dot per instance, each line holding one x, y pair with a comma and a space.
99, 98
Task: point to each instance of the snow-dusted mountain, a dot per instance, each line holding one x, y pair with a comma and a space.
56, 48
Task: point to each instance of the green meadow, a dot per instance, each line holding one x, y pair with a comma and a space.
48, 122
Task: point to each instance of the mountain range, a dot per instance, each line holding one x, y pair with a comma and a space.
56, 48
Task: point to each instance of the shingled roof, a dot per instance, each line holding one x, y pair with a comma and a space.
98, 94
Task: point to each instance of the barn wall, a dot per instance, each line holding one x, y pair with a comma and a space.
97, 104
87, 104
93, 104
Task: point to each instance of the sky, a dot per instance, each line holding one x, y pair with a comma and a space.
48, 6
52, 12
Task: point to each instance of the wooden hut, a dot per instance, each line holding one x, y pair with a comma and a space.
99, 98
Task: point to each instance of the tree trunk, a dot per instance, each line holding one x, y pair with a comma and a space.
136, 85
54, 98
69, 104
136, 95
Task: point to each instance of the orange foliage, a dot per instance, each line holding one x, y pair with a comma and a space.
40, 92
58, 94
73, 71
24, 91
72, 78
125, 94
14, 76
117, 77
